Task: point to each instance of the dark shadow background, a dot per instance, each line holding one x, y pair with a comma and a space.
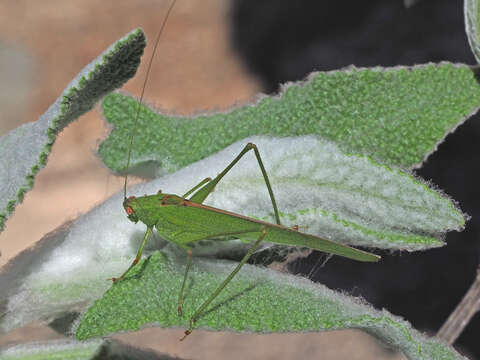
284, 40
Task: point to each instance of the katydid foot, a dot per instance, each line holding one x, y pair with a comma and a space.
190, 329
139, 253
115, 280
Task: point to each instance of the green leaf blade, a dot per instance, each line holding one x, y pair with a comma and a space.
397, 116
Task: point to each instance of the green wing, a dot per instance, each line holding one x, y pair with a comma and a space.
296, 238
193, 222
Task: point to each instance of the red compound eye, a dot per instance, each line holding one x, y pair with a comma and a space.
129, 210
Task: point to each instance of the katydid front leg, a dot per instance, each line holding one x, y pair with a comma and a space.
139, 254
225, 282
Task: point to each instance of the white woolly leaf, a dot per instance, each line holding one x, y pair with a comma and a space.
76, 350
25, 149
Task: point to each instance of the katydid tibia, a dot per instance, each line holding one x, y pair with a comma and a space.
184, 221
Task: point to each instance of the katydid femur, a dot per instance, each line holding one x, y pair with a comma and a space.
185, 221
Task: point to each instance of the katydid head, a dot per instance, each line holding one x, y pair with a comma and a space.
129, 206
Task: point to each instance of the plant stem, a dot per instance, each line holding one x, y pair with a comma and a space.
461, 316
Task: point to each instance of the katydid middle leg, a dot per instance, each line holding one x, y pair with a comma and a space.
189, 262
225, 282
201, 194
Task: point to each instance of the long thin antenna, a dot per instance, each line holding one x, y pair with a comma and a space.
143, 92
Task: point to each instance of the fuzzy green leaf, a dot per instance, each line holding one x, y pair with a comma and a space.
396, 115
257, 300
472, 25
25, 149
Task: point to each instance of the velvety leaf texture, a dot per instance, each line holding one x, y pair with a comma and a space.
25, 149
396, 115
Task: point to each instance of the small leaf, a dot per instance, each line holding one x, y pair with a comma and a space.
256, 300
472, 26
410, 3
397, 115
25, 149
75, 350
63, 349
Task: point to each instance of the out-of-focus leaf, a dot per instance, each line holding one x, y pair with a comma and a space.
76, 350
472, 25
24, 150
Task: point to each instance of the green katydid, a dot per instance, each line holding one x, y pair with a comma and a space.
185, 220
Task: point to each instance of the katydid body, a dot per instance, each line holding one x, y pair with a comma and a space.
184, 221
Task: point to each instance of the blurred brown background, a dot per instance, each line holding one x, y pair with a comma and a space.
43, 45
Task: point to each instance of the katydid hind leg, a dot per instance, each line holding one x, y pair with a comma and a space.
202, 194
139, 254
199, 185
225, 282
